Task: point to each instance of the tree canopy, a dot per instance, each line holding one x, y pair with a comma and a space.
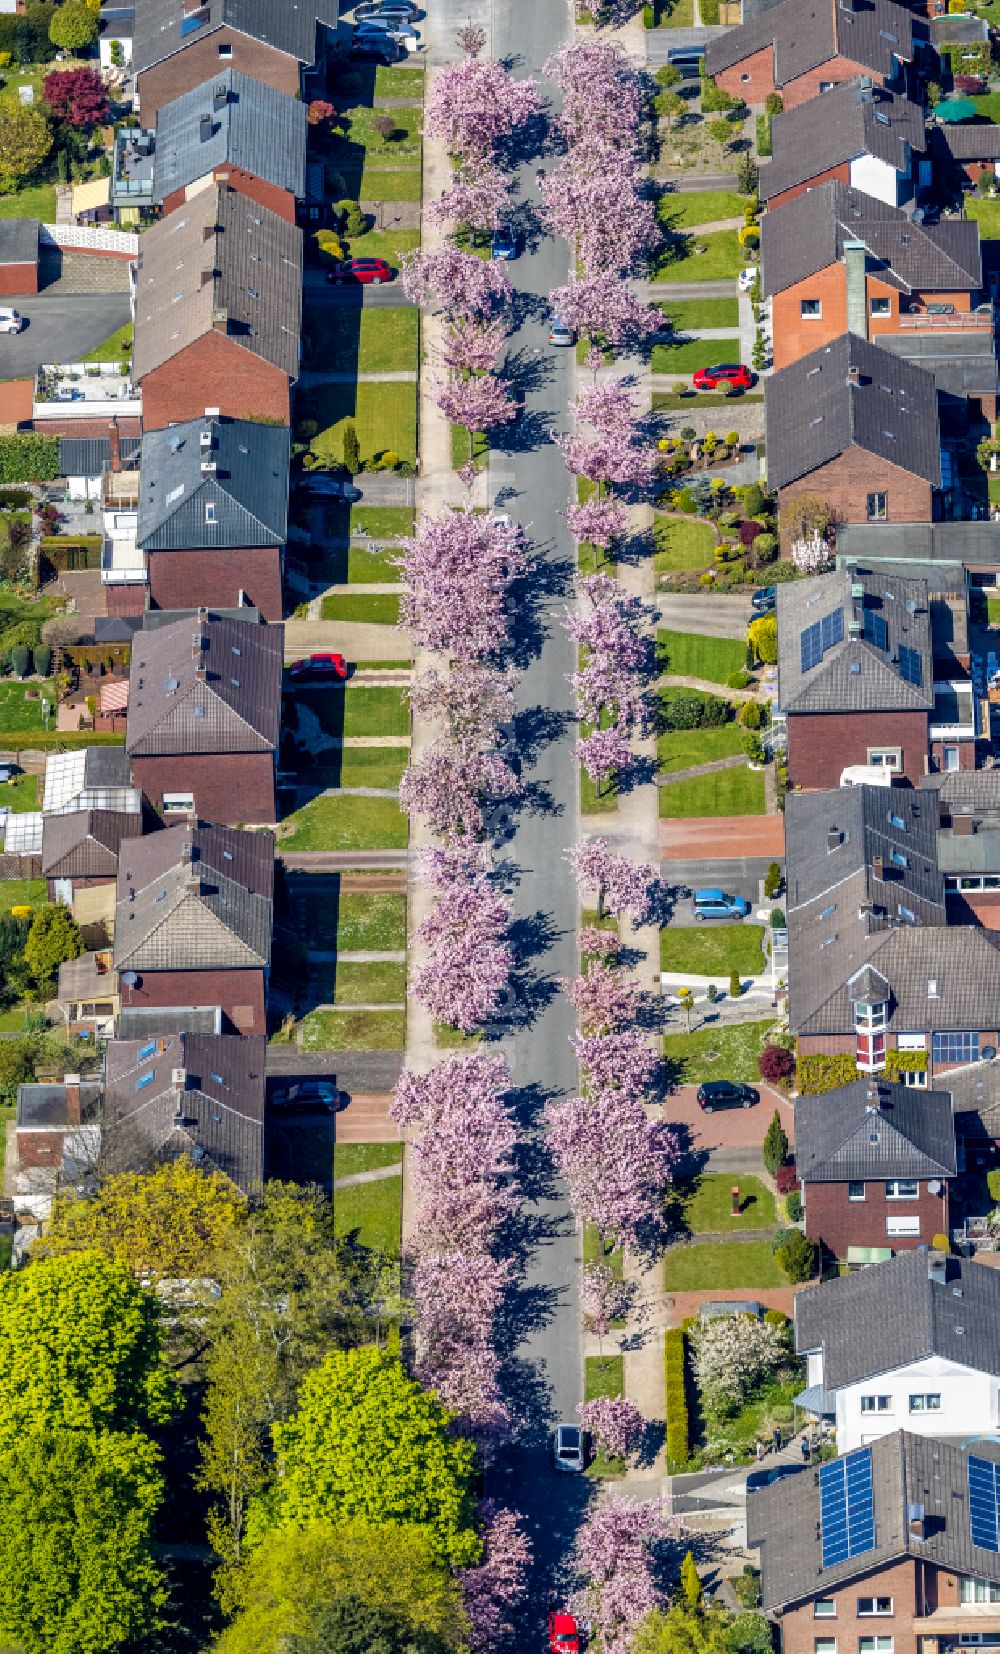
73, 25
25, 140
76, 1571
367, 1441
79, 1349
53, 938
311, 1588
683, 1630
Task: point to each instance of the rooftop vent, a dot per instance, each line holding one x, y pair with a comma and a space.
937, 1268
916, 1526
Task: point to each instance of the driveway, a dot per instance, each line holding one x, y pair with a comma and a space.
729, 1128
722, 616
61, 328
721, 837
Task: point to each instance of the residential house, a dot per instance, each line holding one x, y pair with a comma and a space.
178, 45
217, 311
968, 842
187, 1094
874, 1160
835, 260
893, 1547
906, 1344
867, 137
57, 1137
964, 151
803, 47
84, 460
91, 778
80, 864
213, 514
855, 675
859, 427
236, 131
19, 255
204, 717
87, 994
193, 923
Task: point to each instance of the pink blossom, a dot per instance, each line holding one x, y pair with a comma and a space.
605, 305
616, 1422
473, 106
448, 786
498, 1583
615, 1551
603, 753
472, 700
619, 1059
444, 278
462, 1159
467, 968
599, 87
472, 344
592, 939
471, 38
479, 196
603, 998
598, 522
622, 886
457, 569
592, 200
616, 1162
479, 403
603, 1299
457, 1298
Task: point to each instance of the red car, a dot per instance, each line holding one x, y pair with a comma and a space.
319, 666
363, 270
729, 373
564, 1635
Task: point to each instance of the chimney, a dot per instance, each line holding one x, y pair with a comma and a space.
855, 253
937, 1268
872, 1098
916, 1526
201, 674
192, 885
73, 1115
115, 445
962, 826
834, 839
853, 376
878, 867
205, 128
197, 645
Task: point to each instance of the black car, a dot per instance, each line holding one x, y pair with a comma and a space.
726, 1094
765, 600
377, 48
308, 1097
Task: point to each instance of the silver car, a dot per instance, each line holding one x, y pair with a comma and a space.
560, 333
569, 1448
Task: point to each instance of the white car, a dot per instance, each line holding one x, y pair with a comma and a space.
747, 278
569, 1448
11, 321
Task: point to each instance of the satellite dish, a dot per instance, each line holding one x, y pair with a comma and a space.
934, 1186
130, 979
988, 1053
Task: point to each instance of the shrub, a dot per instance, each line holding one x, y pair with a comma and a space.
793, 1206
993, 1184
774, 104
683, 711
822, 1072
712, 994
904, 1062
352, 448
786, 1179
20, 660
772, 880
753, 746
739, 680
387, 461
306, 429
765, 548
686, 501
777, 1318
678, 1424
971, 86
749, 715
775, 1150
41, 661
797, 1256
28, 456
775, 1063
778, 920
749, 532
648, 17
940, 1243
735, 985
352, 219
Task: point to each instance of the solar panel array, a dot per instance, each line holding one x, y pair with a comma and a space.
984, 1503
821, 636
847, 1507
909, 665
876, 630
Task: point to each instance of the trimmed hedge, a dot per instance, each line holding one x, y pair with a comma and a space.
821, 1072
678, 1421
59, 740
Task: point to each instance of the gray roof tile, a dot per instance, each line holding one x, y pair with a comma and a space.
871, 1129
19, 240
243, 502
205, 684
963, 964
287, 25
855, 674
855, 121
85, 844
880, 842
806, 33
82, 456
231, 118
195, 899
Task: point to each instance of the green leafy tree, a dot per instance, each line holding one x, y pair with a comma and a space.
746, 174
763, 634
751, 1634
73, 25
169, 1222
775, 1144
352, 448
25, 140
367, 1441
681, 1630
77, 1575
350, 1626
797, 1256
735, 985
53, 938
690, 1583
672, 107
79, 1349
722, 131
668, 75
307, 1583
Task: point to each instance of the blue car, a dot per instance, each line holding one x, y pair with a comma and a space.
715, 904
504, 243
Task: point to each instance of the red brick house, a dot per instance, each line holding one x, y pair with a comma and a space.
193, 922
187, 1094
875, 1160
178, 45
204, 718
235, 131
864, 136
57, 1139
217, 312
801, 48
963, 152
213, 514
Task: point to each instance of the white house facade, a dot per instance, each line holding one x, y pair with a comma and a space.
931, 1397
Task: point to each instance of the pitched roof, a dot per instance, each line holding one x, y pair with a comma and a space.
205, 684
85, 843
856, 121
224, 264
195, 898
939, 978
884, 836
806, 33
187, 1094
963, 364
231, 118
785, 1519
968, 140
807, 234
859, 665
289, 27
893, 1313
871, 1129
90, 456
243, 501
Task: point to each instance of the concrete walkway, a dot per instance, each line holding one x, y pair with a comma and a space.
735, 761
359, 640
398, 376
379, 1174
669, 680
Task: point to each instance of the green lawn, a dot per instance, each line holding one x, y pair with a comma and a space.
677, 14
22, 893
20, 794
603, 1375
712, 949
382, 522
682, 749
404, 145
723, 257
716, 1052
686, 314
735, 792
351, 1158
711, 1266
682, 543
395, 82
114, 348
354, 1031
385, 417
371, 920
374, 1210
692, 354
676, 401
460, 448
986, 214
762, 127
706, 1209
16, 711
689, 655
375, 608
387, 244
364, 709
345, 824
358, 566
988, 105
390, 184
993, 611
373, 982
685, 209
37, 201
372, 766
382, 340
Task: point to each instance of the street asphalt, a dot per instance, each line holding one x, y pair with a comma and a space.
61, 328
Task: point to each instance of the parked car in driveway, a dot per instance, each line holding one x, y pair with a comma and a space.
764, 600
715, 904
569, 1447
736, 374
726, 1094
377, 48
363, 272
308, 1097
319, 666
321, 482
560, 333
504, 243
376, 10
564, 1634
403, 33
747, 278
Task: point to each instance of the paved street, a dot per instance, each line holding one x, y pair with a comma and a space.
61, 328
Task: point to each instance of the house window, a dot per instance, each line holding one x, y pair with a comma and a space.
824, 1608
915, 1078
210, 516
925, 1404
898, 859
827, 85
870, 1016
869, 1052
878, 508
955, 1047
226, 49
902, 1226
744, 79
174, 803
824, 1645
876, 1404
880, 307
950, 758
811, 307
885, 758
874, 1605
978, 1590
874, 1645
902, 1188
855, 1191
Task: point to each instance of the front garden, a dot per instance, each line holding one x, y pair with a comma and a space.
731, 1383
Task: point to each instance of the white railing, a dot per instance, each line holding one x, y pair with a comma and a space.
90, 238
